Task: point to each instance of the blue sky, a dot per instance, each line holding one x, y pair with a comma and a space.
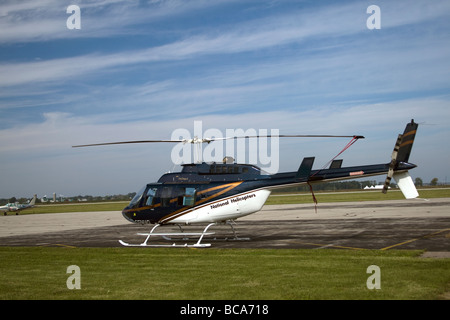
142, 69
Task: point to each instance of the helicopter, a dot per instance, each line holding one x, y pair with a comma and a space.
219, 193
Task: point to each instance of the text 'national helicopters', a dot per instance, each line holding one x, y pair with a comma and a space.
213, 193
17, 207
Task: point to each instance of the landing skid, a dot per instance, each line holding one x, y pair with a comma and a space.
201, 245
185, 236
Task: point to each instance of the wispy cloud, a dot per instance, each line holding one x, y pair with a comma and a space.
250, 36
45, 20
379, 121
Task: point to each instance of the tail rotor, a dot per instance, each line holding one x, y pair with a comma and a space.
392, 165
400, 157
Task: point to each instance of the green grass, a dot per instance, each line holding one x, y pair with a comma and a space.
142, 273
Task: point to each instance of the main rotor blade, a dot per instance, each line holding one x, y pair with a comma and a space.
208, 140
125, 142
288, 136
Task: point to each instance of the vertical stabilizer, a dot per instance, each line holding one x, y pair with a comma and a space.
33, 201
407, 142
406, 185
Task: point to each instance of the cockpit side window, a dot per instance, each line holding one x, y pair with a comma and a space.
166, 194
150, 196
189, 197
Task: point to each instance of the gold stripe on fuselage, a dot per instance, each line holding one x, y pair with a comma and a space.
184, 210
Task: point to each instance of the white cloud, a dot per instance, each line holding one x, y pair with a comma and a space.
272, 32
45, 20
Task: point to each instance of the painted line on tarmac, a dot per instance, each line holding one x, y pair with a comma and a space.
412, 240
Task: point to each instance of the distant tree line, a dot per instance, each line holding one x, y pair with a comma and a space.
331, 186
434, 182
352, 185
89, 198
79, 198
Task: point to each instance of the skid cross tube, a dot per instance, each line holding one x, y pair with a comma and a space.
185, 235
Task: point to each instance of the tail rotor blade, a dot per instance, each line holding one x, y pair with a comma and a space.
393, 163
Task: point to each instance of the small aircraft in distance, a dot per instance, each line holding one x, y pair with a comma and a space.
17, 207
219, 193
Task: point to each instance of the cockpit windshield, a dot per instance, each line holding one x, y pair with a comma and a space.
164, 196
137, 198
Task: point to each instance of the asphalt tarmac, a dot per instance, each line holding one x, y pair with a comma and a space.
382, 225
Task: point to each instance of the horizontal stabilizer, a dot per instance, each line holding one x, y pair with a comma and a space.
305, 169
406, 185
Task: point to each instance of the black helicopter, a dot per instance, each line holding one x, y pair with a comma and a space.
222, 192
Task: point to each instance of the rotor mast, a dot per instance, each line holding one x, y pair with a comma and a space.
197, 147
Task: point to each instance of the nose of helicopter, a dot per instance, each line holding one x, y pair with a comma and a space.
128, 215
